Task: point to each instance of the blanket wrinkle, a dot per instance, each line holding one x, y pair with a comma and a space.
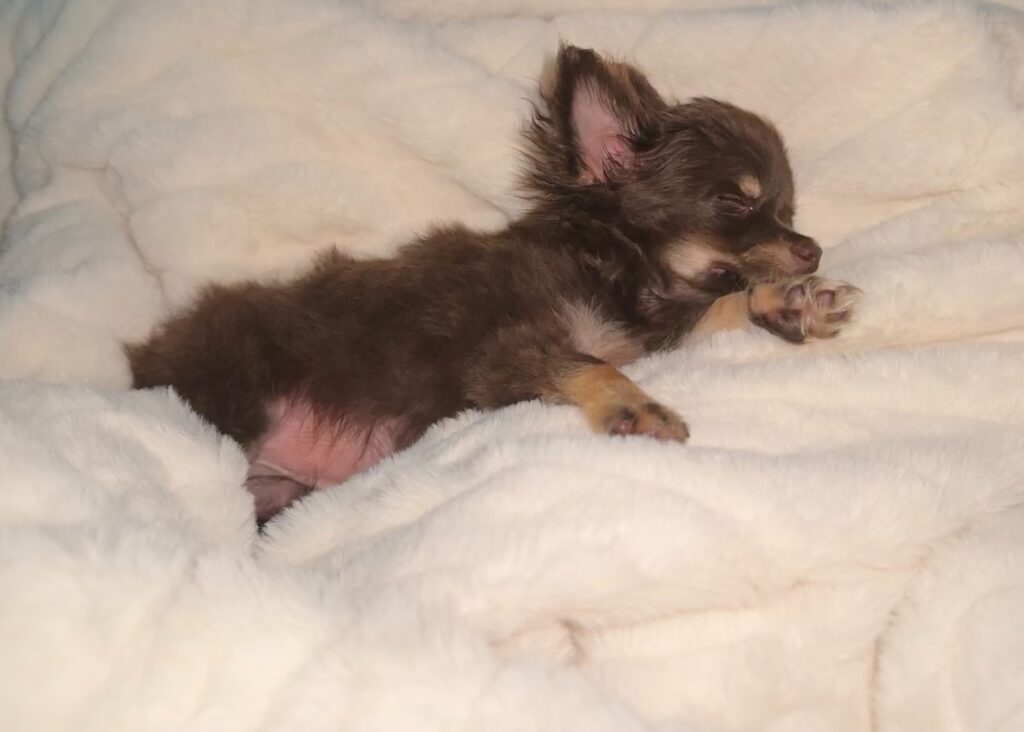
840, 547
121, 208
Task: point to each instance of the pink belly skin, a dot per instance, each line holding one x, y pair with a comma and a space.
307, 454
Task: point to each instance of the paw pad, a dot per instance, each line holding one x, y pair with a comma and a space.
650, 419
810, 307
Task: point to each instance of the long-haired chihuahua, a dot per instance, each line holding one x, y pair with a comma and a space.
649, 222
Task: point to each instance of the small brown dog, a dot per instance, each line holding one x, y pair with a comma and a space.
650, 222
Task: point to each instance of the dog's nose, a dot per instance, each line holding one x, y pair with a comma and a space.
807, 252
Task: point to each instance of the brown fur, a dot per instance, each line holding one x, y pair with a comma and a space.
461, 319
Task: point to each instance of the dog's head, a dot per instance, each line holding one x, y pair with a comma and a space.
705, 185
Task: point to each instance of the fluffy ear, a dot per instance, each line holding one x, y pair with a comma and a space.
602, 110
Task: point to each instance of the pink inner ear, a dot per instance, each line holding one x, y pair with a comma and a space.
599, 131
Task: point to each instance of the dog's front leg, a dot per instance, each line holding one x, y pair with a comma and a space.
796, 310
530, 361
612, 403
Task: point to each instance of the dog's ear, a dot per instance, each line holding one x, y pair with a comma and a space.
602, 110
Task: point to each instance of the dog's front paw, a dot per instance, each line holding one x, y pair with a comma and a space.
650, 419
803, 308
614, 405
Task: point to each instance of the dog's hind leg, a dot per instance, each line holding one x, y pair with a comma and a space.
273, 490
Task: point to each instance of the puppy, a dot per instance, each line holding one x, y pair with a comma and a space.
650, 222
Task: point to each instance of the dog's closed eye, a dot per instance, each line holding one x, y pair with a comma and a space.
732, 204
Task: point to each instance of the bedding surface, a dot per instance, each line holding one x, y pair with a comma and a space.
840, 546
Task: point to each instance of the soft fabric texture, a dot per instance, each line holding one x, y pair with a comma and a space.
840, 546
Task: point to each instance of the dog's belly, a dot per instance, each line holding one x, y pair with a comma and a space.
300, 453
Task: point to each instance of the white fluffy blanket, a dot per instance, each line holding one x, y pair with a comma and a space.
841, 546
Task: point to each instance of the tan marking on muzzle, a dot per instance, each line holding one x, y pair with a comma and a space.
773, 258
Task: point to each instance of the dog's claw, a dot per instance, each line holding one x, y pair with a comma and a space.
624, 423
810, 307
650, 419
